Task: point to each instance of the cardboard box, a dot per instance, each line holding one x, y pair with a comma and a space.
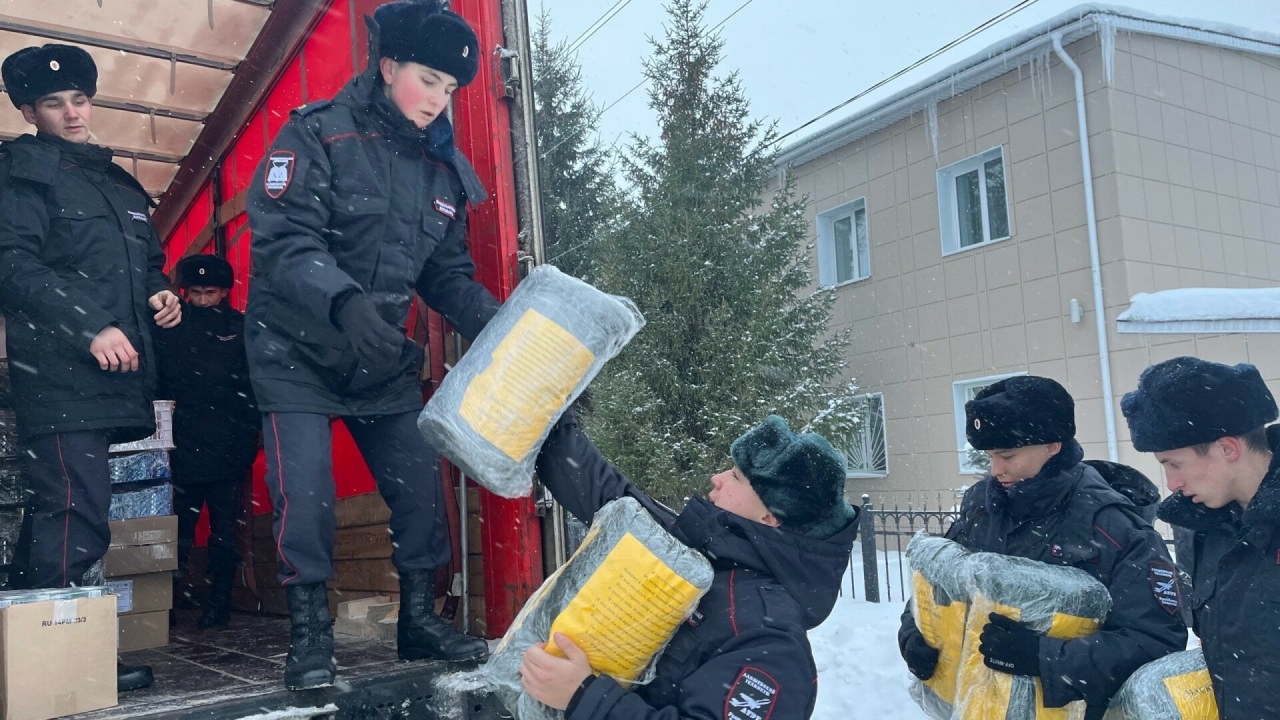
140, 560
142, 546
144, 531
57, 657
142, 593
144, 630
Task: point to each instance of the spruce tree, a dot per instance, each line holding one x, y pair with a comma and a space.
734, 332
578, 191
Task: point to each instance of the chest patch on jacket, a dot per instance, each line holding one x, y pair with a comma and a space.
446, 209
752, 697
279, 173
140, 217
1164, 585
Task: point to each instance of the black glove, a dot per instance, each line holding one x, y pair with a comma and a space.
377, 345
922, 658
1010, 647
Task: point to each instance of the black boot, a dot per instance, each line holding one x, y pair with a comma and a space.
423, 635
310, 663
217, 607
132, 677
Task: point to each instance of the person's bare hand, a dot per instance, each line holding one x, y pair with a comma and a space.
168, 309
552, 680
113, 350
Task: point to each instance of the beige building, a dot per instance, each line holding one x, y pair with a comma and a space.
953, 220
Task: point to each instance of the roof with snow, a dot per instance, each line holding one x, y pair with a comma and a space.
1013, 52
1203, 310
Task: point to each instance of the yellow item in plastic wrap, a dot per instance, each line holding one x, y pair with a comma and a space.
942, 626
530, 377
1192, 693
986, 693
626, 611
1175, 687
620, 598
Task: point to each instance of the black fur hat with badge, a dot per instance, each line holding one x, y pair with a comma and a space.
422, 31
205, 271
1020, 411
34, 72
1187, 401
799, 477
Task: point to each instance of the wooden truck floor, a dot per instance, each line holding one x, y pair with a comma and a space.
237, 672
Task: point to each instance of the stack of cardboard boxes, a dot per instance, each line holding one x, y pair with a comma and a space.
139, 564
139, 569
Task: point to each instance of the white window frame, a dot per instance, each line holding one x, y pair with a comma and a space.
948, 213
868, 441
963, 391
826, 221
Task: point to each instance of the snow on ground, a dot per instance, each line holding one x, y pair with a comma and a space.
860, 673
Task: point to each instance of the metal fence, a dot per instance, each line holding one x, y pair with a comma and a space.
884, 534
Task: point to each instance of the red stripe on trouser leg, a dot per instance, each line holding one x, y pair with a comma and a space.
284, 509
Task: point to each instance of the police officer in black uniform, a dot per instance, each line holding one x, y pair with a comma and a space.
1042, 503
360, 203
778, 532
204, 369
1207, 424
82, 283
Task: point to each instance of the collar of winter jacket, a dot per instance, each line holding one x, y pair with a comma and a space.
1263, 513
86, 155
808, 568
436, 139
1041, 495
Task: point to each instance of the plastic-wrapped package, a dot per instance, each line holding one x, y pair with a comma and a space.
939, 604
621, 597
139, 467
13, 486
9, 445
1060, 602
1175, 687
23, 597
147, 502
494, 409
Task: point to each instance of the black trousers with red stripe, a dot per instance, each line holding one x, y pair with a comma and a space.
300, 479
71, 485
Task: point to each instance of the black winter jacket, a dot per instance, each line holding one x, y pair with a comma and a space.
204, 370
353, 198
78, 253
745, 653
1068, 515
1235, 568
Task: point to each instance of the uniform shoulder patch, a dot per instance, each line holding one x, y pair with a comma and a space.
280, 166
305, 110
446, 208
752, 697
1164, 586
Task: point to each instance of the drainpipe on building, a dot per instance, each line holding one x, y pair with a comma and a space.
1104, 353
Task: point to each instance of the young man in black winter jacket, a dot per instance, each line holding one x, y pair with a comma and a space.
82, 284
360, 204
1042, 503
778, 533
1206, 424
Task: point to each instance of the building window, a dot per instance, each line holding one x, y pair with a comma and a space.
868, 458
844, 248
973, 205
972, 462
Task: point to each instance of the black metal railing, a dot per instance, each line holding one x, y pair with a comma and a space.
884, 535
